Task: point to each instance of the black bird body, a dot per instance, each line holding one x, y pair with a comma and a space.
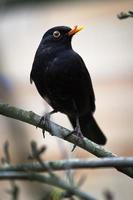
62, 79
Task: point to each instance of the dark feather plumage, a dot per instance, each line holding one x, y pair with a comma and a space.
63, 80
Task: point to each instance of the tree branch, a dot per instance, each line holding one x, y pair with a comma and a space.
33, 119
50, 180
70, 164
124, 15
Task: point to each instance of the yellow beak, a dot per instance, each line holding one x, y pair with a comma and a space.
75, 30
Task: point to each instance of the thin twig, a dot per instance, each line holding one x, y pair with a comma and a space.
71, 164
57, 182
36, 155
14, 191
6, 159
61, 132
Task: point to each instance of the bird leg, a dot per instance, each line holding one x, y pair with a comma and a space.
45, 119
77, 131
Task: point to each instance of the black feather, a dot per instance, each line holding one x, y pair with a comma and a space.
63, 80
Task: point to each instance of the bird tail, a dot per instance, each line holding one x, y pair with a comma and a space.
89, 128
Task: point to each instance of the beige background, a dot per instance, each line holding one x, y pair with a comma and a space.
106, 45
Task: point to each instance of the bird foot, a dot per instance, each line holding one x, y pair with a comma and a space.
44, 121
77, 131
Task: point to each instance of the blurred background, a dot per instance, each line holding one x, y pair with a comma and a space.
106, 45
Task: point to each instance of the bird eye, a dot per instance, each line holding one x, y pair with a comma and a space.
56, 34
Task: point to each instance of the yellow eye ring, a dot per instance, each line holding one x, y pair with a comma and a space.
56, 34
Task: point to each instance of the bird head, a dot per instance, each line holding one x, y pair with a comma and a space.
60, 35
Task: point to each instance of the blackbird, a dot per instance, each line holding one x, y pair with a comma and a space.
63, 81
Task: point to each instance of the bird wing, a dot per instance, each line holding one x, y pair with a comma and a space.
37, 74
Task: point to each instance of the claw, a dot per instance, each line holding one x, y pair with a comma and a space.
45, 121
42, 121
77, 131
